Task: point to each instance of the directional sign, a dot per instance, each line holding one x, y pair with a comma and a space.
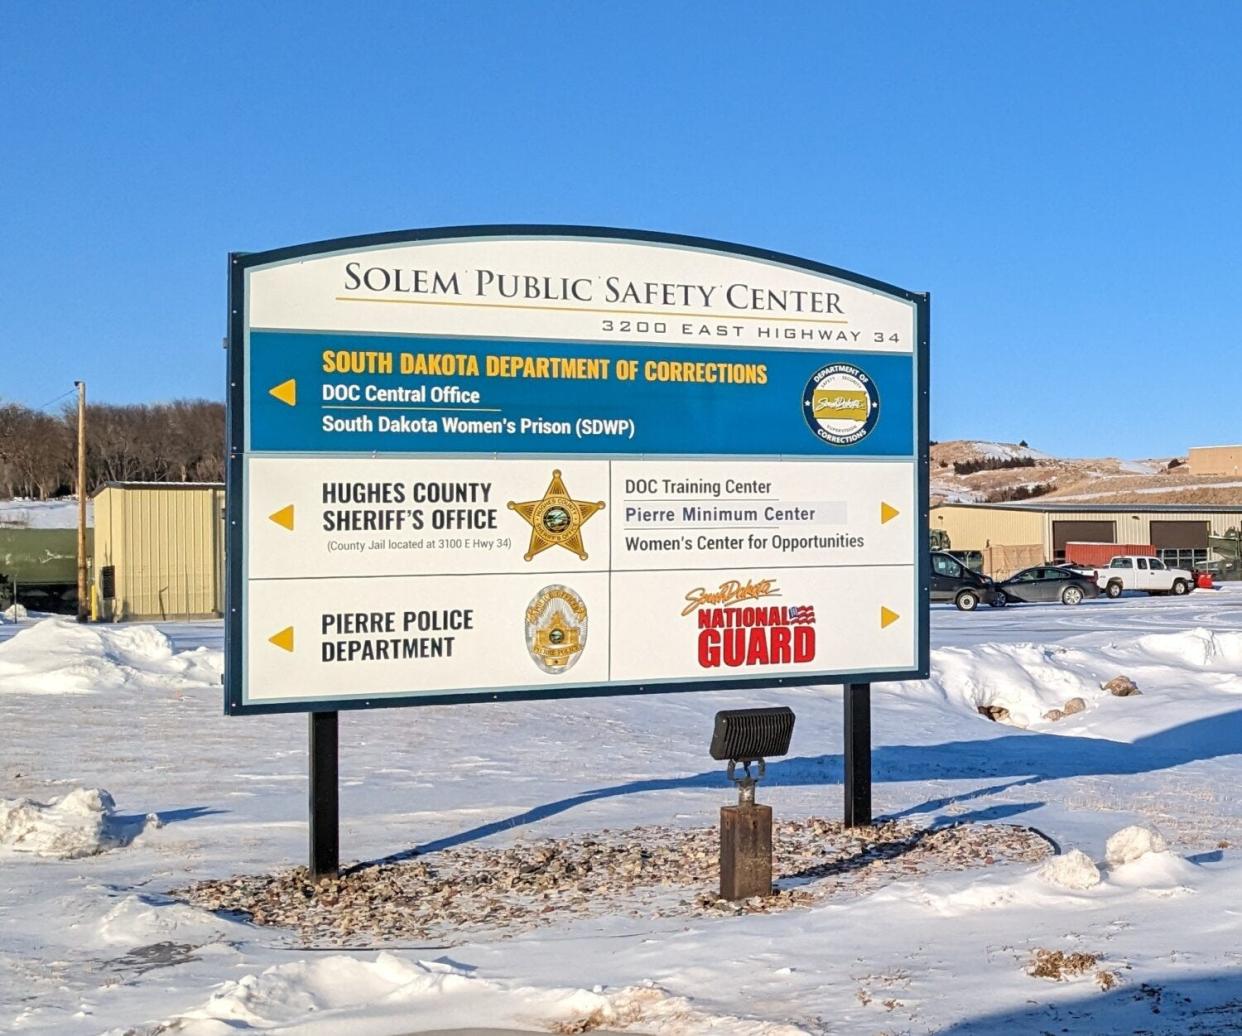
535, 462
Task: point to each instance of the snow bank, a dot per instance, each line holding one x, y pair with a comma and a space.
44, 514
1139, 858
1029, 680
1074, 870
61, 656
142, 920
81, 823
1161, 873
1130, 843
1196, 648
652, 1010
1135, 858
389, 994
287, 994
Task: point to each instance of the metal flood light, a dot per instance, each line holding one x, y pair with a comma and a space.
748, 736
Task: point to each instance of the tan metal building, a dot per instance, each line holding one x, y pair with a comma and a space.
159, 550
1015, 535
1216, 460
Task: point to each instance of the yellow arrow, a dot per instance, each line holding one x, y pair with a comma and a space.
286, 392
283, 639
887, 618
283, 517
887, 513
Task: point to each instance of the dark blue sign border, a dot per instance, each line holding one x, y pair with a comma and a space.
234, 644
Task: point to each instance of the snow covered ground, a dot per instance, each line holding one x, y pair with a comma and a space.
90, 941
43, 514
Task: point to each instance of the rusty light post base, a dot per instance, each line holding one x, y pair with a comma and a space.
745, 851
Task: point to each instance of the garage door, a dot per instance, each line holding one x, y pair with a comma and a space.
1179, 535
1080, 532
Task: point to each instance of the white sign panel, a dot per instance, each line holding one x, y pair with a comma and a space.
552, 463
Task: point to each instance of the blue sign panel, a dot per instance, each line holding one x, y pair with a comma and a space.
471, 396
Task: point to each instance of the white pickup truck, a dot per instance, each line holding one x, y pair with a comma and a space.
1139, 572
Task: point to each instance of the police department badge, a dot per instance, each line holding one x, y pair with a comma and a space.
840, 404
556, 628
556, 519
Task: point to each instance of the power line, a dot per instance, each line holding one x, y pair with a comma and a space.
57, 399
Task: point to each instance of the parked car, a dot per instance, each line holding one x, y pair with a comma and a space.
953, 581
1138, 572
1047, 584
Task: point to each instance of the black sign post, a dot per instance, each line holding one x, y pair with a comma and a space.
858, 755
325, 835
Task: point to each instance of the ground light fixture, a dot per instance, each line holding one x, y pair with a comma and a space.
748, 737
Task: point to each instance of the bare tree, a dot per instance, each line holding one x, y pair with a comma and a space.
181, 441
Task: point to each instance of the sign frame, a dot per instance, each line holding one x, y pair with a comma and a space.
236, 504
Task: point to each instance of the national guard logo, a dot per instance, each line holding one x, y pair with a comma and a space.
556, 628
556, 519
840, 404
737, 632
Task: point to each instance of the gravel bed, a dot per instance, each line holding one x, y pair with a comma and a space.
639, 872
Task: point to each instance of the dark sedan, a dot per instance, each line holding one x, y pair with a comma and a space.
1045, 584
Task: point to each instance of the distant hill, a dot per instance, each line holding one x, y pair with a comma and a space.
978, 471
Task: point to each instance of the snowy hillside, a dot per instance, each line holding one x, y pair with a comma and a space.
1007, 451
967, 471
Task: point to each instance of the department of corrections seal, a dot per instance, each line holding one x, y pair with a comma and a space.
840, 404
556, 628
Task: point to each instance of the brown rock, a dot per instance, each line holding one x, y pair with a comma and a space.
1122, 687
996, 713
1054, 715
1073, 706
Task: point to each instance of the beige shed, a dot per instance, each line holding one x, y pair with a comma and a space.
159, 550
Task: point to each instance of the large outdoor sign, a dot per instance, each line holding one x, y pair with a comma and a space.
497, 462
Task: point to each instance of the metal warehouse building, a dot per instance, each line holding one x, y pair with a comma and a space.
1216, 460
1015, 535
158, 550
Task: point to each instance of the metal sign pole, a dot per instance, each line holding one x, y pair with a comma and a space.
325, 835
83, 602
858, 755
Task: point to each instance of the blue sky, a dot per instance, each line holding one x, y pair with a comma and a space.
1063, 178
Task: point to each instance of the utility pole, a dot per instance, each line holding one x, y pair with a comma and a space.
83, 602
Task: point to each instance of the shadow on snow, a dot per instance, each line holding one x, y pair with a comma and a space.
1207, 1005
1023, 758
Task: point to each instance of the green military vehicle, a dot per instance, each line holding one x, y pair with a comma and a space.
939, 541
39, 568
